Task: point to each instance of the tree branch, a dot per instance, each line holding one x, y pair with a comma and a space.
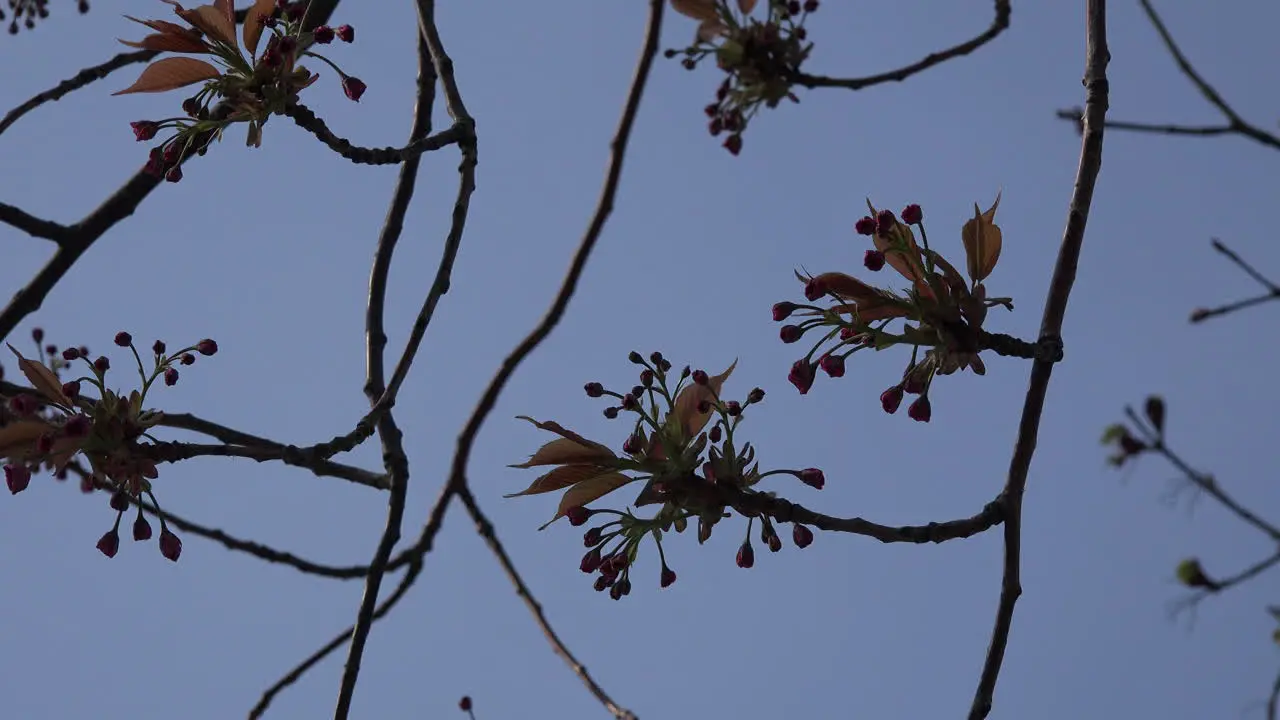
1272, 290
177, 451
32, 225
1095, 82
394, 457
998, 25
79, 80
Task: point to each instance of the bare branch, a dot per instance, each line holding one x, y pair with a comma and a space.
485, 528
79, 80
998, 25
1235, 125
1272, 293
31, 224
394, 457
1095, 82
176, 451
309, 121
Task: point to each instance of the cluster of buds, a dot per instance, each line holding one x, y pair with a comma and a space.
29, 11
691, 474
1127, 445
761, 58
53, 423
250, 87
947, 311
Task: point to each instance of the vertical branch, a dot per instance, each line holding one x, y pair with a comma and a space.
1064, 272
396, 462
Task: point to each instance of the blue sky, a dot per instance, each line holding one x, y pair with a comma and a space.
267, 251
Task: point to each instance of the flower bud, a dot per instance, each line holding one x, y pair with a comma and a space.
141, 529
578, 515
790, 333
206, 347
884, 222
833, 365
746, 556
873, 260
920, 410
783, 310
170, 544
912, 214
865, 226
109, 544
124, 339
890, 399
812, 477
668, 576
802, 375
17, 477
801, 536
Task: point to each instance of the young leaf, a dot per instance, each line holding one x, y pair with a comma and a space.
42, 379
686, 406
562, 477
184, 40
746, 6
588, 491
552, 426
19, 437
218, 20
170, 74
697, 9
982, 241
253, 23
565, 451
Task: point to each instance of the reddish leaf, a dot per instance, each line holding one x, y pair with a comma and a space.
552, 426
588, 491
565, 451
169, 42
982, 241
696, 9
746, 6
686, 406
847, 286
216, 20
562, 477
42, 379
253, 23
170, 74
18, 438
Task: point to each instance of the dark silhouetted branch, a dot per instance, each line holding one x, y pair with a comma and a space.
998, 25
1064, 272
79, 80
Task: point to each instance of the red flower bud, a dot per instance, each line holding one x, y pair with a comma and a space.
920, 411
170, 377
746, 556
124, 339
700, 377
578, 515
206, 347
323, 34
77, 425
593, 389
912, 214
884, 222
802, 375
873, 260
813, 477
143, 130
790, 333
465, 703
109, 544
353, 87
71, 354
590, 562
102, 364
141, 529
890, 399
158, 348
833, 365
733, 143
170, 545
17, 477
801, 536
865, 226
345, 33
783, 310
668, 576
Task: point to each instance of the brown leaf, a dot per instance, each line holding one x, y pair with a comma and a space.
873, 310
709, 30
697, 9
171, 73
18, 438
169, 42
562, 477
982, 240
552, 426
42, 379
686, 406
253, 24
847, 286
746, 6
565, 451
588, 491
216, 20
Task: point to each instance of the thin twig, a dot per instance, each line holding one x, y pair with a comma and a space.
1272, 290
1246, 267
485, 528
1064, 272
1274, 701
394, 457
79, 80
338, 641
998, 25
258, 550
1235, 125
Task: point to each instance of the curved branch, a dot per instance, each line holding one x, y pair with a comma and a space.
32, 225
785, 511
79, 80
1095, 81
175, 451
998, 25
